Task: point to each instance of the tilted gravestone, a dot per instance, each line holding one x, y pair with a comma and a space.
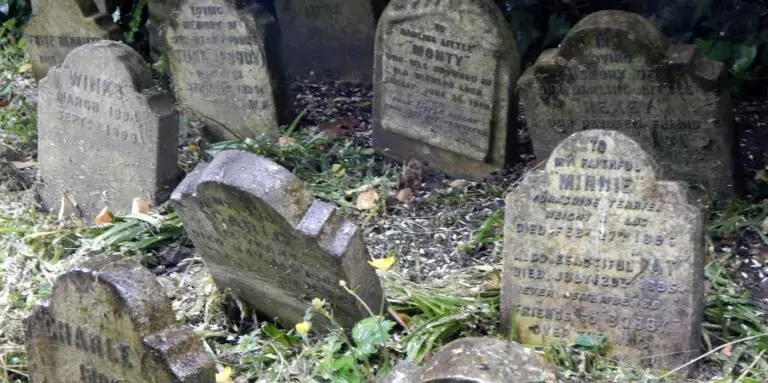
476, 360
105, 135
333, 39
614, 70
109, 320
443, 84
596, 245
266, 239
226, 68
59, 26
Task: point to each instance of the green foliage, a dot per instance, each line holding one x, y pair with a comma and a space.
131, 23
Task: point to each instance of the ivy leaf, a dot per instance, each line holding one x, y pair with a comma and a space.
370, 333
744, 56
721, 51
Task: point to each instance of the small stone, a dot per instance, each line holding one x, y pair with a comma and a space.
105, 134
443, 79
596, 246
266, 240
110, 320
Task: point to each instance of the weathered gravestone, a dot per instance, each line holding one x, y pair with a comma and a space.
596, 245
331, 38
614, 70
225, 64
442, 84
105, 135
476, 360
59, 26
264, 237
108, 320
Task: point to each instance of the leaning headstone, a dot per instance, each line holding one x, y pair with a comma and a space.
264, 238
332, 39
443, 85
225, 64
59, 26
597, 246
477, 360
105, 134
614, 70
109, 320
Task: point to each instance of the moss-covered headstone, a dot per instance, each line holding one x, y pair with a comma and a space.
109, 320
265, 239
614, 70
332, 39
443, 80
59, 26
597, 246
106, 135
225, 63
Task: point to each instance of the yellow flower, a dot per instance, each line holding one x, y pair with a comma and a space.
383, 263
303, 327
224, 376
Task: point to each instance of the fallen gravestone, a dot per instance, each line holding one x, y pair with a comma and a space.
266, 239
333, 39
596, 246
476, 360
614, 70
225, 65
442, 90
108, 320
105, 135
59, 26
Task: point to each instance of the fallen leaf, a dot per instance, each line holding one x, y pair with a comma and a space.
412, 173
457, 183
24, 68
192, 148
367, 200
383, 263
362, 104
3, 102
333, 129
727, 350
338, 170
23, 164
139, 206
285, 140
404, 195
224, 376
761, 175
105, 216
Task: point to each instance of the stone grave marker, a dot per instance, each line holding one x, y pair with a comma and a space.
109, 320
59, 26
614, 70
476, 360
331, 38
105, 135
265, 238
225, 64
597, 245
442, 85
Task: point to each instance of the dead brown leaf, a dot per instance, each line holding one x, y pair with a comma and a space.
192, 148
367, 200
404, 195
23, 164
105, 216
412, 173
285, 140
340, 127
140, 206
727, 350
3, 102
457, 183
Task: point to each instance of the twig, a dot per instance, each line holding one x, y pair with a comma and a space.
710, 352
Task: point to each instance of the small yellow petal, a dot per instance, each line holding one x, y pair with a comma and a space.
383, 263
303, 327
224, 376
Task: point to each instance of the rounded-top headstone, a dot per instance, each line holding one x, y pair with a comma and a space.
266, 240
225, 63
597, 246
106, 135
616, 71
59, 26
443, 84
109, 320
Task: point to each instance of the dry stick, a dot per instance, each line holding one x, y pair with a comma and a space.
712, 352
